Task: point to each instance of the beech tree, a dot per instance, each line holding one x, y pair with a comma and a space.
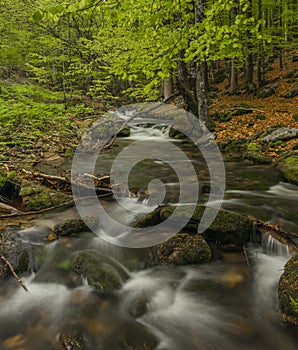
108, 49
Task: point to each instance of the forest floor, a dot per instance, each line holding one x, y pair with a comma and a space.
270, 112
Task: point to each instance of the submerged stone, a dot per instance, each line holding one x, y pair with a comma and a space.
288, 292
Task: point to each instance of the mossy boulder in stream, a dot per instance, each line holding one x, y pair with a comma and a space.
36, 196
73, 226
288, 292
99, 273
227, 228
181, 249
288, 165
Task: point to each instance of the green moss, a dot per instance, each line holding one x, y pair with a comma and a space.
253, 147
289, 168
182, 249
36, 197
99, 274
226, 228
295, 117
3, 178
288, 291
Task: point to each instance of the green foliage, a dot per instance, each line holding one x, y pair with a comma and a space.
28, 113
294, 304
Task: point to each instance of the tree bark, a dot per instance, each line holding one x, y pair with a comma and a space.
202, 74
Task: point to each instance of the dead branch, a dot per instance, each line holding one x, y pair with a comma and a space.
14, 273
246, 256
65, 204
8, 208
241, 108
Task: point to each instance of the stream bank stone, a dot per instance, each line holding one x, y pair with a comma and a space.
227, 228
288, 166
15, 252
99, 273
288, 292
181, 249
36, 196
73, 226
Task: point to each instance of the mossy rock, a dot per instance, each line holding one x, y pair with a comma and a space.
181, 249
288, 165
288, 292
74, 226
253, 154
227, 228
9, 183
36, 196
99, 273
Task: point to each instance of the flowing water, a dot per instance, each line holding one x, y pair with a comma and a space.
223, 305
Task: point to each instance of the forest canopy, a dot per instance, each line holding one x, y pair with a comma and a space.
108, 49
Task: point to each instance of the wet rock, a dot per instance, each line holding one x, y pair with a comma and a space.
227, 227
36, 196
253, 154
265, 91
288, 165
99, 273
125, 132
288, 292
234, 150
281, 134
16, 252
74, 226
293, 92
181, 249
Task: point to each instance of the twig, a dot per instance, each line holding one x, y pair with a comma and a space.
241, 108
246, 256
14, 273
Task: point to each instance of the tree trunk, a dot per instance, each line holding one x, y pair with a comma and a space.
202, 93
185, 87
167, 87
202, 74
233, 78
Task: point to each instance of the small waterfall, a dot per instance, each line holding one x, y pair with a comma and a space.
157, 132
273, 246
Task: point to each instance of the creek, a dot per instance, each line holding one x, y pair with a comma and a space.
222, 305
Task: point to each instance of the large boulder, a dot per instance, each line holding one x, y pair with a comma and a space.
288, 165
181, 249
227, 228
98, 272
288, 292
